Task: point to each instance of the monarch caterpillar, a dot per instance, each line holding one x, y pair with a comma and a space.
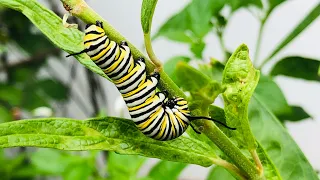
153, 113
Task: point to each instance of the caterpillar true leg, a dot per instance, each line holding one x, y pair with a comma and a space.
195, 130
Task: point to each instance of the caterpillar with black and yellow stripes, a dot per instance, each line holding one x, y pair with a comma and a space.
153, 112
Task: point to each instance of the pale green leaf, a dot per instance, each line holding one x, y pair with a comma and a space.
112, 134
147, 10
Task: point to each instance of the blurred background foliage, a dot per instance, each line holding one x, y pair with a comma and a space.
28, 81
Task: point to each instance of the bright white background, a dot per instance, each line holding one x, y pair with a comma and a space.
124, 15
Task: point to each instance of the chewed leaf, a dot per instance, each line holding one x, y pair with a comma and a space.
240, 79
112, 134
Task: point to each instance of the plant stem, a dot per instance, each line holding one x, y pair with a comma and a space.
81, 10
223, 46
258, 45
151, 54
229, 166
233, 152
312, 15
257, 160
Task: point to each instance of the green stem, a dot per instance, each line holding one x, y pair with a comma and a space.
313, 14
232, 168
81, 10
151, 54
258, 45
257, 160
223, 46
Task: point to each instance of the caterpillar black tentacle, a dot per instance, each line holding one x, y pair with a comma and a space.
153, 113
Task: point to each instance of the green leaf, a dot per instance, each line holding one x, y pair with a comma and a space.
270, 170
10, 94
297, 114
54, 89
314, 13
166, 170
284, 154
236, 4
23, 34
197, 49
68, 39
147, 10
32, 99
124, 166
240, 79
82, 170
279, 145
171, 64
274, 3
61, 163
192, 23
298, 67
5, 115
214, 70
219, 172
112, 134
271, 95
199, 85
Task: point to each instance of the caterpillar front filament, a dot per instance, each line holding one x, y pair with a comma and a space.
153, 113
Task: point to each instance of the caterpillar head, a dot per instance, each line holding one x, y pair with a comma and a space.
97, 27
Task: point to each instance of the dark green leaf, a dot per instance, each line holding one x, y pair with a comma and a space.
297, 114
10, 94
219, 173
21, 30
314, 13
22, 75
147, 10
240, 79
112, 134
166, 170
171, 64
298, 67
271, 95
67, 39
192, 23
32, 99
200, 86
54, 89
124, 166
197, 49
5, 115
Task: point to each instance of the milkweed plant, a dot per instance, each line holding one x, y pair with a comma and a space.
259, 148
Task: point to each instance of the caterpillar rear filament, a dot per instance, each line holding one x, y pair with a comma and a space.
153, 113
